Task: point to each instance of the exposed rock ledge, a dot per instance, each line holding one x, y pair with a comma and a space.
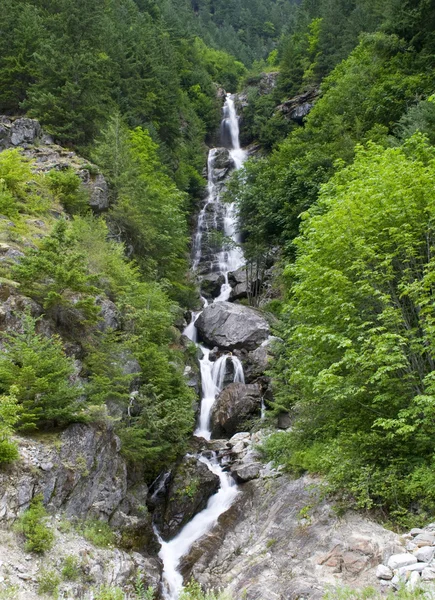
280, 542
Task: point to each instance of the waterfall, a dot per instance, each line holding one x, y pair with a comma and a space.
213, 374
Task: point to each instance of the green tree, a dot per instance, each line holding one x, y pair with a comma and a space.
56, 276
9, 416
42, 376
357, 366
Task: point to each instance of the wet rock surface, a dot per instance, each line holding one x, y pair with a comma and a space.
231, 326
187, 492
234, 407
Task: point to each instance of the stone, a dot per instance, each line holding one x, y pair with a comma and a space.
416, 531
425, 554
243, 436
211, 284
188, 490
383, 572
414, 581
230, 326
99, 193
396, 561
284, 420
243, 473
244, 284
24, 131
428, 574
110, 317
424, 539
418, 567
234, 406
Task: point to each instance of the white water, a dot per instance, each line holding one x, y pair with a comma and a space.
212, 373
173, 551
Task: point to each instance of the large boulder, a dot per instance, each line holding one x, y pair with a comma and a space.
234, 406
187, 492
232, 326
211, 284
222, 163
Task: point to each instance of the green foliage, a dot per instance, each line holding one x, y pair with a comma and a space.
55, 275
106, 592
71, 568
40, 373
362, 100
149, 208
193, 591
48, 583
371, 593
357, 365
9, 416
68, 190
32, 524
98, 533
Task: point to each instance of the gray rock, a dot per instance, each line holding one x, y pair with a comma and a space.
284, 420
414, 581
383, 572
99, 193
83, 476
243, 284
24, 131
243, 473
230, 326
261, 549
425, 554
396, 561
236, 404
424, 539
222, 164
428, 574
110, 317
211, 285
191, 485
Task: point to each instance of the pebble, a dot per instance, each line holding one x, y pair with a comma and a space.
418, 567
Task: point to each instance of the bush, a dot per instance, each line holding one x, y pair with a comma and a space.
9, 415
32, 524
71, 568
48, 583
109, 593
68, 190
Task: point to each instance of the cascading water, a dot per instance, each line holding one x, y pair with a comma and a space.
213, 374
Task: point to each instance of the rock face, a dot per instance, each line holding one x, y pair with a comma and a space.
230, 326
235, 405
46, 155
242, 286
280, 541
82, 475
188, 489
297, 108
222, 164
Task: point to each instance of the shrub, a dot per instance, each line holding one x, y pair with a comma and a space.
48, 583
68, 190
71, 568
109, 593
9, 415
32, 524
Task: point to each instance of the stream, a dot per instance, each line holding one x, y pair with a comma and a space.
228, 258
